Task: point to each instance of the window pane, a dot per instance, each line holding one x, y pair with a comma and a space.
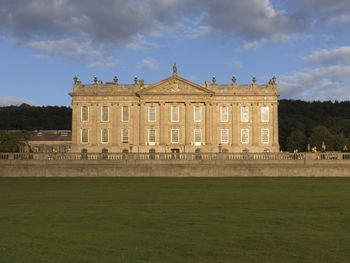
105, 135
125, 113
151, 113
84, 135
175, 136
244, 114
84, 113
197, 136
125, 136
224, 135
105, 111
265, 114
197, 113
244, 136
174, 113
151, 135
264, 135
224, 114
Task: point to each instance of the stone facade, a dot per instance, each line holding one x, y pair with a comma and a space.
174, 115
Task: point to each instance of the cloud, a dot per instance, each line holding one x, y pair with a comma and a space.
339, 55
149, 63
324, 83
8, 100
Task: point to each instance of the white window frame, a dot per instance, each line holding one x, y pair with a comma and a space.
122, 135
81, 135
172, 137
244, 114
265, 112
178, 113
123, 120
149, 137
199, 108
81, 113
222, 115
262, 136
222, 131
107, 120
149, 113
242, 133
102, 136
197, 143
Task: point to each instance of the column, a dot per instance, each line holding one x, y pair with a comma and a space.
142, 124
235, 111
162, 129
275, 123
187, 123
136, 124
207, 124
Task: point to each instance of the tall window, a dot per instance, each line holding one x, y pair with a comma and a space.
105, 113
84, 135
244, 135
84, 113
244, 114
223, 114
151, 136
265, 136
224, 135
265, 114
197, 137
174, 135
174, 113
125, 113
197, 113
151, 113
125, 136
104, 136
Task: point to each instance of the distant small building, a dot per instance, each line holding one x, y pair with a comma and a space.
174, 115
49, 141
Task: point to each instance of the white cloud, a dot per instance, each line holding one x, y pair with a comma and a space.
339, 55
8, 100
149, 63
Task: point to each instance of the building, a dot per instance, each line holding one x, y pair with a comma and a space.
49, 141
174, 115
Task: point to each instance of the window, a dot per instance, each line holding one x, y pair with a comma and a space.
62, 149
244, 135
84, 113
264, 135
84, 135
125, 136
244, 114
174, 113
224, 135
175, 136
105, 113
223, 114
152, 136
197, 137
197, 113
151, 113
265, 114
104, 136
125, 113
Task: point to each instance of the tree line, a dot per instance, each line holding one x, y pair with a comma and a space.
300, 123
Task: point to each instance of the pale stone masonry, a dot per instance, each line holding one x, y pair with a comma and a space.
174, 115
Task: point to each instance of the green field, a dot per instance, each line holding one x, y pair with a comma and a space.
174, 220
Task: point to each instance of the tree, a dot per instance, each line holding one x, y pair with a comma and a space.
12, 141
319, 135
296, 140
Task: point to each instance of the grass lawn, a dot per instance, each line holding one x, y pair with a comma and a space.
174, 220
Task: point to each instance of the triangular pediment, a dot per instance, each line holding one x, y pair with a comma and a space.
175, 85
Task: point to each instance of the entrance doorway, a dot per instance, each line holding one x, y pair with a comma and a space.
175, 153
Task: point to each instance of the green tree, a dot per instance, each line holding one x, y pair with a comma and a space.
319, 135
12, 141
296, 140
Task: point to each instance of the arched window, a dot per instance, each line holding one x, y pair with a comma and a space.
104, 153
198, 154
84, 154
152, 154
125, 153
225, 150
245, 154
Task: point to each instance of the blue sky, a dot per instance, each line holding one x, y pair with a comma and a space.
43, 44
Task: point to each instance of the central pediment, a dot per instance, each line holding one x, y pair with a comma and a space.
175, 85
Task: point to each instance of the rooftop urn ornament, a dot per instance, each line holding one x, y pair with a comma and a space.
115, 79
270, 82
234, 79
142, 82
135, 79
254, 79
95, 79
214, 79
274, 80
174, 69
75, 79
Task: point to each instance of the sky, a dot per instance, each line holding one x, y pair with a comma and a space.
45, 43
